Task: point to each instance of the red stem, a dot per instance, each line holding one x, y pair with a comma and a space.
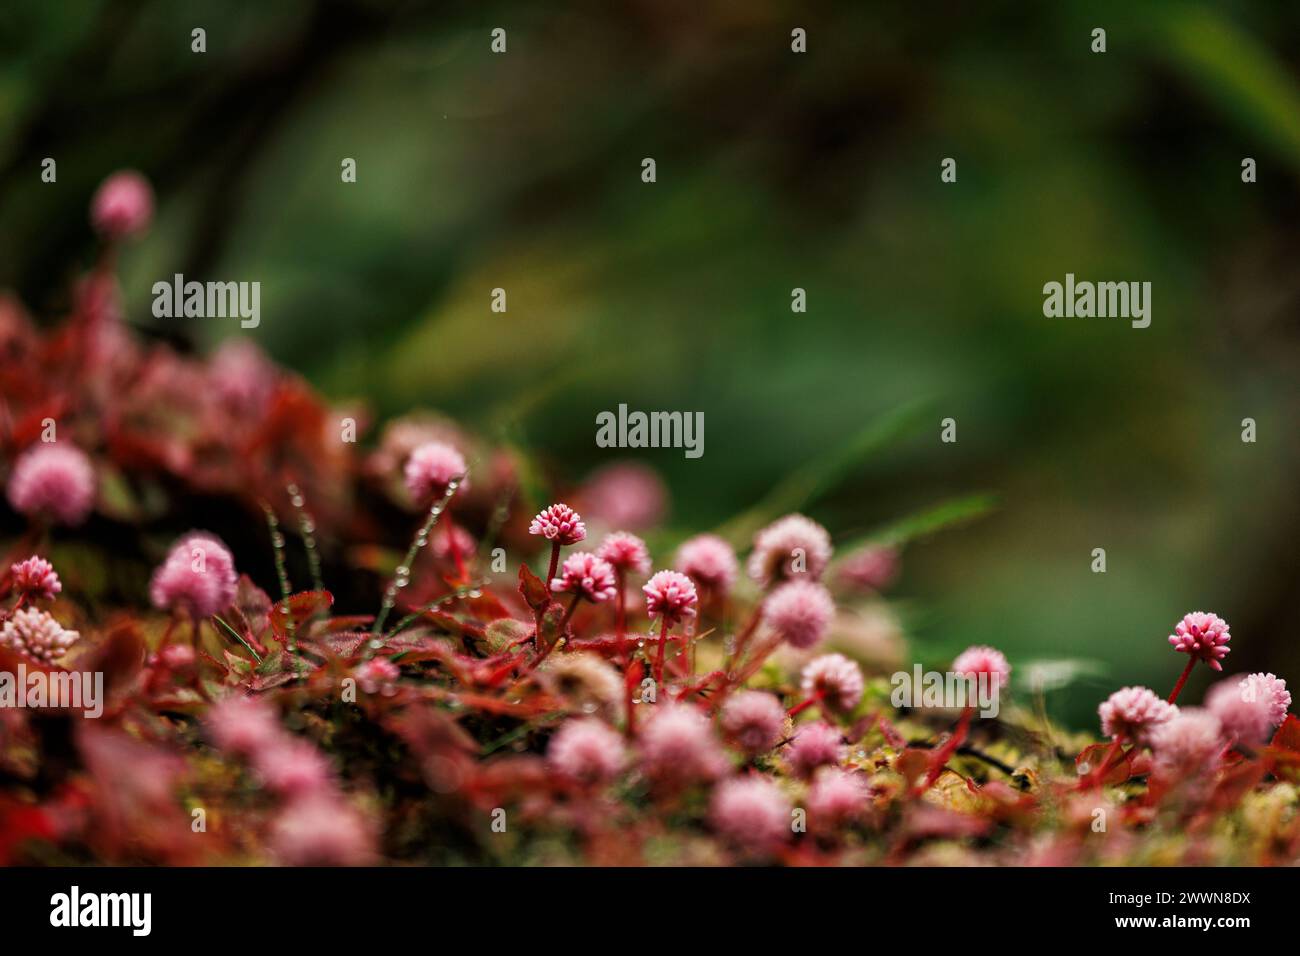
799, 708
663, 650
1173, 696
555, 565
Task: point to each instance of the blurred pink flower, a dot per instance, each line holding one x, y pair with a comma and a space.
800, 611
377, 675
1134, 712
290, 766
321, 830
793, 547
872, 568
709, 561
752, 812
624, 494
753, 720
678, 745
587, 751
55, 481
198, 576
430, 469
1249, 707
982, 659
1185, 744
625, 552
242, 726
815, 745
123, 205
836, 679
836, 797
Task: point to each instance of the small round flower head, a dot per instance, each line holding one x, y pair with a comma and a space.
1203, 635
586, 751
53, 481
800, 611
321, 830
871, 569
242, 726
464, 541
625, 494
1248, 707
35, 578
670, 595
751, 812
678, 745
836, 796
793, 547
586, 680
625, 552
1272, 690
753, 721
430, 469
815, 745
709, 561
836, 679
292, 767
588, 576
177, 657
123, 205
1134, 712
559, 523
36, 635
982, 659
1186, 743
377, 676
198, 576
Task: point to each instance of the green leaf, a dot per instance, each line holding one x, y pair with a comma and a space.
946, 514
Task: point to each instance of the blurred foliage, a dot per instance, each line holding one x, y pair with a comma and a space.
521, 171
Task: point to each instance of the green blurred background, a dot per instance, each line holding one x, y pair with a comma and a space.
775, 171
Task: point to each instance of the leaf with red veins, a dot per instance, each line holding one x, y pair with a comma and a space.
534, 589
302, 607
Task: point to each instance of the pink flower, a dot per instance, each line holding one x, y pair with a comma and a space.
790, 547
377, 676
1203, 635
836, 796
670, 595
1187, 742
198, 576
177, 657
1249, 707
243, 725
587, 751
1134, 712
559, 524
292, 767
35, 578
815, 745
800, 611
625, 552
241, 376
54, 481
1272, 690
678, 745
625, 494
752, 812
982, 659
586, 575
465, 543
872, 569
123, 205
835, 680
430, 469
753, 720
321, 830
709, 561
35, 634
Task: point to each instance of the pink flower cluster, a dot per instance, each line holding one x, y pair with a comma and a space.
709, 561
587, 576
559, 524
800, 612
198, 576
430, 469
35, 578
670, 595
789, 548
55, 482
36, 635
1203, 635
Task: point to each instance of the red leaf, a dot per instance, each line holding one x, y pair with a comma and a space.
302, 607
534, 590
1288, 735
